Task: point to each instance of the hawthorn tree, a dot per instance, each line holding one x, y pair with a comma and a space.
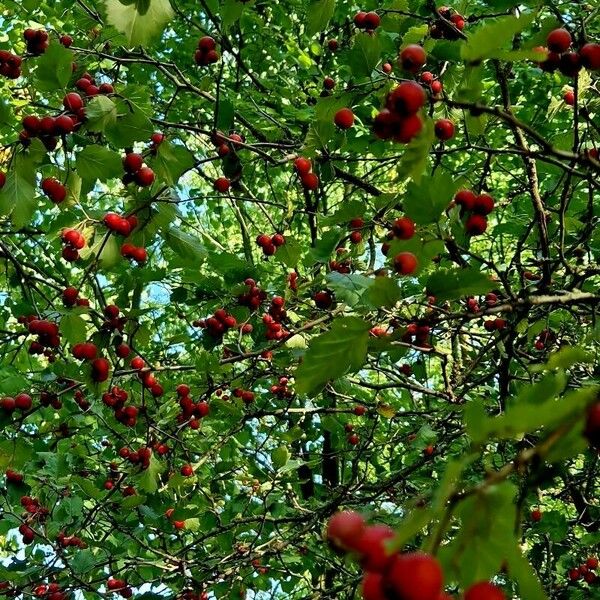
299, 294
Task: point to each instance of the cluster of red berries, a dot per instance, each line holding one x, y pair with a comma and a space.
417, 334
293, 281
10, 64
479, 206
497, 324
399, 120
22, 402
27, 534
37, 41
353, 439
191, 411
585, 571
355, 225
70, 298
13, 477
47, 335
272, 320
401, 229
344, 264
367, 20
137, 253
50, 591
491, 299
84, 351
224, 144
434, 85
119, 586
544, 339
54, 189
133, 163
246, 396
323, 299
73, 242
270, 244
141, 456
569, 63
388, 575
448, 26
253, 297
113, 321
116, 399
81, 400
219, 323
206, 54
121, 225
49, 128
33, 507
66, 541
308, 179
281, 389
89, 86
50, 399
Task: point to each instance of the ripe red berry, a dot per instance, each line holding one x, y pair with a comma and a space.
569, 97
133, 162
476, 224
344, 118
484, 591
570, 64
73, 102
386, 68
310, 181
122, 350
372, 20
483, 204
23, 402
373, 586
206, 43
591, 563
333, 45
590, 56
356, 237
323, 300
64, 124
328, 83
415, 576
221, 184
302, 165
144, 177
106, 88
371, 546
407, 98
466, 199
360, 19
436, 87
412, 58
444, 129
359, 411
187, 470
66, 40
8, 404
179, 524
403, 228
345, 528
100, 369
558, 40
277, 240
405, 263
536, 515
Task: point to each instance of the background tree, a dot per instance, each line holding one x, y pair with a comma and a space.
266, 261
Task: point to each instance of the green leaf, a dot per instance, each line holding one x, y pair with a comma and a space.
18, 197
426, 201
82, 562
73, 328
132, 125
149, 478
139, 26
333, 354
567, 357
318, 14
98, 162
280, 456
101, 112
186, 246
416, 154
522, 572
54, 68
230, 12
489, 40
450, 284
365, 54
384, 292
171, 162
348, 288
289, 253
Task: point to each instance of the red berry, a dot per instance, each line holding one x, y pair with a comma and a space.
144, 177
476, 224
73, 102
344, 118
483, 204
8, 404
570, 64
407, 98
133, 162
536, 515
444, 129
66, 40
569, 97
405, 263
409, 128
221, 184
412, 58
436, 87
187, 470
310, 181
484, 591
345, 528
333, 45
403, 228
360, 19
323, 300
592, 563
371, 546
427, 77
123, 351
372, 20
373, 586
23, 401
386, 68
415, 576
328, 83
359, 411
558, 40
466, 199
106, 88
590, 56
302, 165
277, 240
356, 237
100, 369
206, 43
